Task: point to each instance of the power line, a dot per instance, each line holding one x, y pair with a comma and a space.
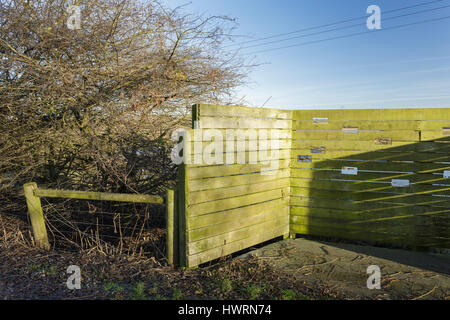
342, 28
330, 24
349, 35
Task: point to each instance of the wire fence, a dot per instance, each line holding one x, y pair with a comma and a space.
133, 228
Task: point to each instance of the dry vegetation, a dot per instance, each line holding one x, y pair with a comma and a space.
93, 109
29, 273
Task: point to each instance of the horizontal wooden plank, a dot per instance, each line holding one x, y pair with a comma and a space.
368, 125
375, 114
375, 155
396, 239
208, 135
442, 135
210, 148
235, 202
369, 165
249, 157
381, 214
370, 146
230, 181
101, 196
368, 176
207, 122
237, 233
235, 215
229, 248
312, 202
358, 186
425, 223
367, 197
394, 135
236, 169
223, 193
242, 111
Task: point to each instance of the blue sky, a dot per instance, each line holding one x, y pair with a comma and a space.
403, 67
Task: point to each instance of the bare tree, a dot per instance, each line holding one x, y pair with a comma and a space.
92, 107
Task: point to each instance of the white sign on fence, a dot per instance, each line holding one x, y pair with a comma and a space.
400, 183
349, 170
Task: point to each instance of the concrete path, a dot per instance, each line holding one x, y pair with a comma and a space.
343, 268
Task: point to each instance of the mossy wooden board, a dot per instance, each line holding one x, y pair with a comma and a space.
229, 158
370, 125
204, 110
318, 202
370, 146
394, 135
230, 134
237, 169
235, 215
202, 147
400, 239
367, 197
224, 193
235, 202
417, 167
374, 114
239, 180
357, 186
243, 123
382, 155
237, 233
414, 222
380, 214
235, 246
219, 230
430, 178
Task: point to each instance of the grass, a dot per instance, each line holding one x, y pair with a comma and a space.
226, 285
177, 294
43, 268
253, 292
289, 294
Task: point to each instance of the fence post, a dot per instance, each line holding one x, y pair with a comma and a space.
171, 227
36, 216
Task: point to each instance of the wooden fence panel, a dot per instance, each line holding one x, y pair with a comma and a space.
372, 175
230, 206
396, 190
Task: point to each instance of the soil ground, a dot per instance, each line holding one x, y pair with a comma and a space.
342, 268
289, 270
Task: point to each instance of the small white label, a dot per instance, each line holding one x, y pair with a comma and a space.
320, 120
349, 170
447, 174
350, 130
400, 183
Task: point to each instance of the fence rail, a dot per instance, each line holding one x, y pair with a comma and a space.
33, 196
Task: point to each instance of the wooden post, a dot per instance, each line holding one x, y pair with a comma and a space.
182, 191
171, 243
36, 216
